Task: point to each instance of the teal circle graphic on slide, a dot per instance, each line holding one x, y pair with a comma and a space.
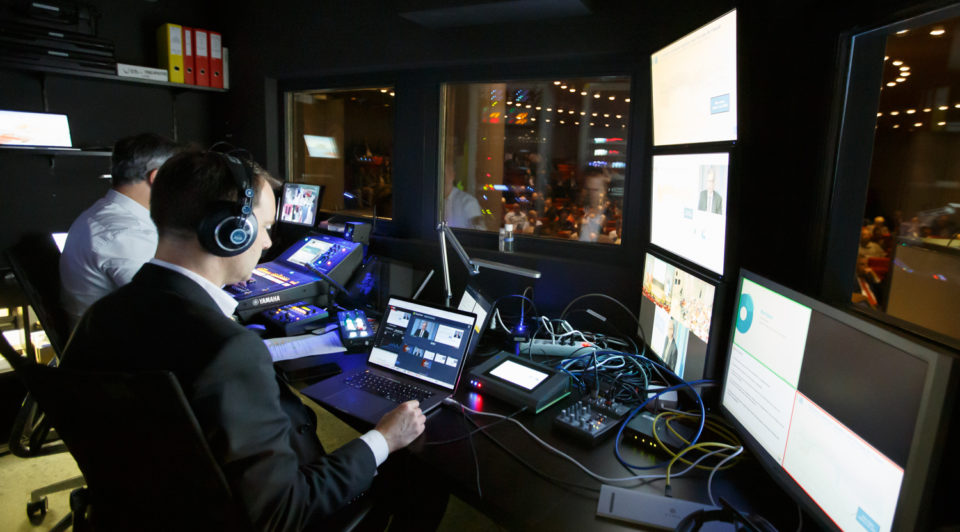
745, 313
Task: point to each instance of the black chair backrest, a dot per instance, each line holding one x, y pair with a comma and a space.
138, 444
35, 261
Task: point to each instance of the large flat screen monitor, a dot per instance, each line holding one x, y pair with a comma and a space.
676, 314
688, 213
845, 414
694, 85
299, 203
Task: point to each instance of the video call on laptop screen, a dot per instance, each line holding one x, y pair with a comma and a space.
423, 341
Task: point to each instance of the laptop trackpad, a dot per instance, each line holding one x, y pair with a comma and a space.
363, 405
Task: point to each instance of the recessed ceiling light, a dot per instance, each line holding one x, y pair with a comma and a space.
583, 93
619, 116
509, 103
904, 68
594, 114
583, 113
926, 109
879, 115
886, 57
895, 126
572, 89
901, 32
606, 115
941, 123
570, 112
563, 86
612, 98
918, 124
627, 100
538, 108
556, 82
576, 123
596, 95
591, 123
606, 125
562, 122
905, 73
894, 113
384, 91
936, 32
549, 109
393, 93
891, 83
956, 106
897, 62
548, 120
943, 107
527, 106
911, 111
901, 80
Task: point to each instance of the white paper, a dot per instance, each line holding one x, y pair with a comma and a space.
292, 347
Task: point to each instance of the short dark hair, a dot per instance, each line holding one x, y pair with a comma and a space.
189, 182
134, 157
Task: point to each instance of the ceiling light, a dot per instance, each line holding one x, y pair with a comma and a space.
549, 109
548, 120
627, 100
619, 116
594, 114
583, 113
901, 32
879, 115
911, 111
941, 123
591, 123
938, 31
894, 113
596, 95
384, 91
527, 106
918, 124
901, 80
606, 125
558, 110
897, 62
563, 86
509, 103
905, 73
891, 84
895, 126
612, 98
886, 57
538, 108
606, 115
572, 89
583, 93
956, 106
556, 82
562, 122
904, 68
392, 93
943, 107
926, 109
570, 112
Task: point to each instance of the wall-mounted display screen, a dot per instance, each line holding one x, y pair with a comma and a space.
688, 214
299, 203
675, 316
321, 147
694, 86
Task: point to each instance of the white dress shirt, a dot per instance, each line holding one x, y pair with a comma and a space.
374, 439
107, 244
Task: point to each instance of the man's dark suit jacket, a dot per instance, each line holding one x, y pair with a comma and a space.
260, 433
717, 202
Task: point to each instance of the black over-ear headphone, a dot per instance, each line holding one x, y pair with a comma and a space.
229, 228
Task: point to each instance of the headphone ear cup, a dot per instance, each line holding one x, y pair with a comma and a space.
226, 233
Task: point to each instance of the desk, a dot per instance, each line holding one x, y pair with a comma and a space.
519, 499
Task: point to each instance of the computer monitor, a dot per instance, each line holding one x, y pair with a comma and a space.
846, 415
688, 211
474, 301
694, 86
299, 203
321, 147
676, 315
36, 130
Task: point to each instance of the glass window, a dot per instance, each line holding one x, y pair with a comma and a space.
342, 140
547, 156
909, 256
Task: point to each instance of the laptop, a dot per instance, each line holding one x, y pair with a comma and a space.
19, 129
419, 352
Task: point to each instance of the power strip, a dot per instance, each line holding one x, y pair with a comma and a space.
649, 509
544, 347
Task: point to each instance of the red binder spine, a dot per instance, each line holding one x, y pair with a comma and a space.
216, 60
188, 63
201, 57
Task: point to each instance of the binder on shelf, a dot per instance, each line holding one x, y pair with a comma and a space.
170, 50
201, 57
189, 77
216, 60
226, 67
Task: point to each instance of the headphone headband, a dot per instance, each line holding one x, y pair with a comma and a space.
229, 228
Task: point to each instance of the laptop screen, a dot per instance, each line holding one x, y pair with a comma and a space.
423, 341
18, 128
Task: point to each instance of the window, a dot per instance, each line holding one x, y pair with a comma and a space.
342, 140
908, 261
547, 156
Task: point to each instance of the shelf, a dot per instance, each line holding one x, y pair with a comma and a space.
104, 75
55, 151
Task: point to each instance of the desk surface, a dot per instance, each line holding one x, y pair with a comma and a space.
520, 499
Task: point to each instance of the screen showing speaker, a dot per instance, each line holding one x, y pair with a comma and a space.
688, 214
676, 312
299, 203
694, 86
845, 414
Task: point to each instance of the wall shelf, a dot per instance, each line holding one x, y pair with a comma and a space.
56, 152
104, 75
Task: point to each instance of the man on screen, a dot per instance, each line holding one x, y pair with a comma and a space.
422, 332
710, 200
669, 353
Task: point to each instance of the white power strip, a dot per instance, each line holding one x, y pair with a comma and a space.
544, 347
649, 509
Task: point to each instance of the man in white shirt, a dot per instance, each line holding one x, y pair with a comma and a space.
112, 239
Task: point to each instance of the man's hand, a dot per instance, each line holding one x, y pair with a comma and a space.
402, 425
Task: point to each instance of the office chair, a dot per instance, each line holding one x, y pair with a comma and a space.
35, 261
134, 436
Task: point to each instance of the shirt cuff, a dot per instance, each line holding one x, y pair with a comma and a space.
377, 444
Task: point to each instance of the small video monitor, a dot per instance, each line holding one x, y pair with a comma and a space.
676, 313
299, 203
688, 212
34, 130
321, 147
694, 86
474, 301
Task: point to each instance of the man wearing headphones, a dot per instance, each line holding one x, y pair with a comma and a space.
214, 213
112, 239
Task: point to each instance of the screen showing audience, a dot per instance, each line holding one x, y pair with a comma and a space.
675, 316
423, 341
688, 215
18, 128
300, 203
836, 408
694, 85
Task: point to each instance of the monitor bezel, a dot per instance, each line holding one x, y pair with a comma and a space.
929, 431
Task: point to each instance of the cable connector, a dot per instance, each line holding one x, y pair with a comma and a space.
451, 401
668, 491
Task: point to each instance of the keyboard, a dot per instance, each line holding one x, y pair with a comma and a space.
389, 389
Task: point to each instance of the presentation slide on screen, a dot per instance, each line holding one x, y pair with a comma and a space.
300, 204
469, 304
309, 251
398, 318
451, 336
682, 295
694, 86
19, 128
688, 213
852, 482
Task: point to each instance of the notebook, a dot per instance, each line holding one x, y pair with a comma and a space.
419, 352
19, 129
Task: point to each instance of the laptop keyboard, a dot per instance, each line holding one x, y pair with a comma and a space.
390, 389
